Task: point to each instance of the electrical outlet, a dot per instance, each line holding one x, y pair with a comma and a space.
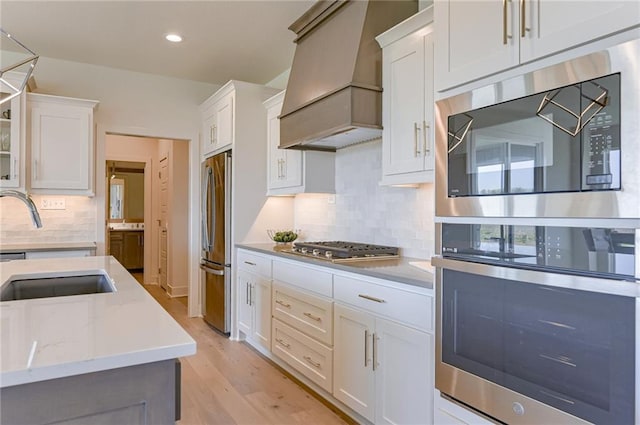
331, 199
53, 204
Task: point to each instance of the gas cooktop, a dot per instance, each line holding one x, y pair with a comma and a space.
338, 251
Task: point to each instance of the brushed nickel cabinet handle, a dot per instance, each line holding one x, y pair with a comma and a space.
425, 127
416, 130
370, 298
311, 316
283, 343
282, 303
250, 263
15, 168
311, 362
523, 15
366, 347
504, 22
248, 296
375, 339
35, 169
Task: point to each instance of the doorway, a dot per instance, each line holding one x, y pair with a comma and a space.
125, 201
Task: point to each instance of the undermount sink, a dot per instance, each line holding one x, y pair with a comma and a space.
25, 287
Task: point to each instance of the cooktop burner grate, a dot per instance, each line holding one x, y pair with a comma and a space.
344, 250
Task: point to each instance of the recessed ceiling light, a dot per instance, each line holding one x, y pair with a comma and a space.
174, 38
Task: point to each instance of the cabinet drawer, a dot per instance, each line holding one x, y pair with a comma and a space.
407, 307
254, 263
304, 277
309, 357
307, 313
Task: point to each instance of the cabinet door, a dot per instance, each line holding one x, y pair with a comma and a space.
285, 165
261, 305
403, 362
61, 147
116, 246
476, 38
224, 122
208, 131
245, 280
554, 25
132, 249
403, 148
10, 142
353, 378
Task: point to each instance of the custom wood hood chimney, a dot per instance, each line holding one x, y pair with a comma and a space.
334, 93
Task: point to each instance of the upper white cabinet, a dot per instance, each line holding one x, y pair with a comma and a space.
217, 121
476, 39
11, 136
407, 113
292, 171
61, 138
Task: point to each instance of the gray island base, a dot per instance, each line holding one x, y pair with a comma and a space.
141, 394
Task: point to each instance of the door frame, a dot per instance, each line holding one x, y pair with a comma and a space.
194, 297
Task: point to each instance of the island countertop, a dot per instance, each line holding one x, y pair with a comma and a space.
49, 338
410, 271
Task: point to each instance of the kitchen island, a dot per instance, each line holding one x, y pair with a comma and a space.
106, 357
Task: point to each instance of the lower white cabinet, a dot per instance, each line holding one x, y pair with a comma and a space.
254, 308
382, 369
449, 413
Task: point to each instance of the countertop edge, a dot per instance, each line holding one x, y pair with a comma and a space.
362, 269
48, 246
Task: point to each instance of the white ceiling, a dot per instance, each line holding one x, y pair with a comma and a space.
223, 40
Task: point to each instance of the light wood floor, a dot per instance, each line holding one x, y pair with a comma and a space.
228, 382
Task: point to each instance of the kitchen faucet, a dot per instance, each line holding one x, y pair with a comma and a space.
35, 216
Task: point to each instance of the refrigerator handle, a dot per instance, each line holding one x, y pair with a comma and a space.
212, 271
205, 221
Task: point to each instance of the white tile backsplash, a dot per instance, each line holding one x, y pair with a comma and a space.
76, 223
366, 212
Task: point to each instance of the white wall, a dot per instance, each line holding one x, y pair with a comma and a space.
366, 212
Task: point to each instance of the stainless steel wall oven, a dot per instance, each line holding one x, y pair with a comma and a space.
558, 142
537, 244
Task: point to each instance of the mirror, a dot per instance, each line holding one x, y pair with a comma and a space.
125, 182
116, 195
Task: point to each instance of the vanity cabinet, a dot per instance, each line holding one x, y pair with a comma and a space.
383, 352
291, 171
476, 39
217, 122
407, 113
11, 136
127, 246
61, 137
254, 298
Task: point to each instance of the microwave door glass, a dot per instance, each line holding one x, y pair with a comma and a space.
526, 146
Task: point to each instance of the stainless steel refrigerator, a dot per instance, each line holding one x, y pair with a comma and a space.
215, 261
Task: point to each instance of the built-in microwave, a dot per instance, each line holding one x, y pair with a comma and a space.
557, 142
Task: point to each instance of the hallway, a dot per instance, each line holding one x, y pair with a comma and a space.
227, 382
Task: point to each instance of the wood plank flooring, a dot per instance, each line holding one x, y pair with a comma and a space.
228, 382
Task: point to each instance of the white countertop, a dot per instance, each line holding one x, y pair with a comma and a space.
83, 333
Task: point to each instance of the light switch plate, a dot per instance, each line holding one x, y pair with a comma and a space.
53, 204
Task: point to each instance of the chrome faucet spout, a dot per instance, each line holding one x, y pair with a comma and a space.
35, 216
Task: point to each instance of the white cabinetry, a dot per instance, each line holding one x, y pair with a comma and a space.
291, 171
254, 298
62, 144
29, 255
383, 369
407, 113
476, 39
217, 121
448, 413
12, 136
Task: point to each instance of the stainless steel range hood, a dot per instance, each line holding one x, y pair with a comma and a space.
334, 94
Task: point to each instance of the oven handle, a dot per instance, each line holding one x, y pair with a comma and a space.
559, 280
